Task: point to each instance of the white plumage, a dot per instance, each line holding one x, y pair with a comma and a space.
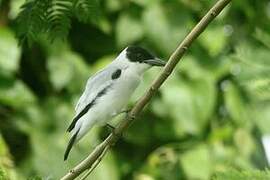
107, 92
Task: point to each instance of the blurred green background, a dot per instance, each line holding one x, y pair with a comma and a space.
208, 117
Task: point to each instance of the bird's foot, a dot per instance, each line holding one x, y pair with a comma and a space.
112, 128
126, 111
128, 115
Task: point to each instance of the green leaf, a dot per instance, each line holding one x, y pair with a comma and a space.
251, 56
261, 117
16, 94
163, 163
244, 142
179, 103
236, 103
34, 178
66, 68
9, 51
262, 36
214, 40
61, 70
164, 27
223, 133
227, 155
197, 163
128, 30
2, 174
15, 8
190, 104
87, 11
145, 2
7, 170
204, 99
145, 127
113, 5
242, 175
143, 176
253, 70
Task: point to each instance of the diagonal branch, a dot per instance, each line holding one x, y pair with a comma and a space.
174, 59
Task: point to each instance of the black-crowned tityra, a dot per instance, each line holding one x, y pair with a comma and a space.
108, 91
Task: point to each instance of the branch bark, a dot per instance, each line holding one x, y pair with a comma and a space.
124, 124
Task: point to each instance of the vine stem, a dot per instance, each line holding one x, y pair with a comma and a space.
95, 155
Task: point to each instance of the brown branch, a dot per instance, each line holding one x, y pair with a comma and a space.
174, 59
96, 163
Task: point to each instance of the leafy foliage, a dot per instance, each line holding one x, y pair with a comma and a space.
243, 175
6, 165
86, 11
32, 20
59, 15
208, 118
53, 17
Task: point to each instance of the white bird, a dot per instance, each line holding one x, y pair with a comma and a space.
107, 92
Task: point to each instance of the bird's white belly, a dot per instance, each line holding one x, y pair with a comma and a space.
114, 101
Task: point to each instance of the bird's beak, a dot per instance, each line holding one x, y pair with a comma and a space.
155, 62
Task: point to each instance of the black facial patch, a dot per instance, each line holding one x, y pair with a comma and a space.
138, 54
116, 74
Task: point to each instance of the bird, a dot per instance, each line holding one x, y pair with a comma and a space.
108, 91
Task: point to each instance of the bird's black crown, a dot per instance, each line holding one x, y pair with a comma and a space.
138, 54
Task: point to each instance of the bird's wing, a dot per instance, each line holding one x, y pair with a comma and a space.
95, 87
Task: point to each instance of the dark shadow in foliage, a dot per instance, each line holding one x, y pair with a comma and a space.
17, 141
33, 70
91, 42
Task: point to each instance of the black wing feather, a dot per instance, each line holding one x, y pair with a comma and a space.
87, 107
70, 144
83, 112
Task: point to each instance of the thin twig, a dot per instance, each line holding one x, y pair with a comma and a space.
96, 163
174, 59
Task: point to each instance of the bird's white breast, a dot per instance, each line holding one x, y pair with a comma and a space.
116, 98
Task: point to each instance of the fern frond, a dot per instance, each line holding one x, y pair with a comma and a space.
53, 17
59, 15
86, 10
32, 20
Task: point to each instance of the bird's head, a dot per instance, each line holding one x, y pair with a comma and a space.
138, 59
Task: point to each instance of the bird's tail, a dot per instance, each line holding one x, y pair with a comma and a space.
70, 144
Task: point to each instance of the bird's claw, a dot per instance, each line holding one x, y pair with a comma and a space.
128, 116
112, 128
126, 111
